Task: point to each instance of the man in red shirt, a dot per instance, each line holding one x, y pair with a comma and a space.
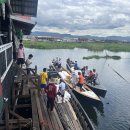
51, 94
81, 80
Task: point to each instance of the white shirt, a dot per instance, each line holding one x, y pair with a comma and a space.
28, 63
74, 78
62, 86
86, 73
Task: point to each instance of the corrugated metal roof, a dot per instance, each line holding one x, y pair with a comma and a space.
25, 7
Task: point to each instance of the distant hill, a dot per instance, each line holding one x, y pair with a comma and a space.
119, 38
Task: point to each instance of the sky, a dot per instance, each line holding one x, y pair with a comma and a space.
84, 17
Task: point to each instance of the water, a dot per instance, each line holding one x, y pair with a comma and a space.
114, 114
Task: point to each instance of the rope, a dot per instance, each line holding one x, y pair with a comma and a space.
119, 74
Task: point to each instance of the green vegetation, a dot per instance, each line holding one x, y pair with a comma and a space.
115, 47
106, 57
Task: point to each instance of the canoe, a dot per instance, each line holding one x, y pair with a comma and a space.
98, 88
86, 92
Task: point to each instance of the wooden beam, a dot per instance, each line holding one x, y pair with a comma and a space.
34, 111
22, 106
25, 74
15, 115
23, 96
17, 121
40, 113
7, 117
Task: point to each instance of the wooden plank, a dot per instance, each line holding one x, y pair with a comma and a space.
67, 115
17, 121
23, 105
73, 116
45, 114
40, 113
72, 110
7, 117
63, 116
34, 112
58, 120
54, 121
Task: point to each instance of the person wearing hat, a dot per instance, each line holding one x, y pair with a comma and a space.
51, 94
28, 63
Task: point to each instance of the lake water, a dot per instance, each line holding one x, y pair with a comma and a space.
114, 114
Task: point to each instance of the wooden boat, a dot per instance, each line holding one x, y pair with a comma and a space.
86, 92
98, 88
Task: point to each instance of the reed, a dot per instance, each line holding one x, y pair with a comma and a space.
97, 46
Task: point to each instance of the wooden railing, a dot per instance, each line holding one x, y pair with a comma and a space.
6, 59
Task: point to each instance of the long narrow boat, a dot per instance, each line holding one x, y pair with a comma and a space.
98, 88
86, 92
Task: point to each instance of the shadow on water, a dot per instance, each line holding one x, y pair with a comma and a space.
91, 109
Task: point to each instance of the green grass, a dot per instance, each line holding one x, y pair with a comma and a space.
115, 47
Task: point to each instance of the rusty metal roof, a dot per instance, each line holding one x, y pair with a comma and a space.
24, 7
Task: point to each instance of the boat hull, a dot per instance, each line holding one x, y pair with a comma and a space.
98, 90
87, 99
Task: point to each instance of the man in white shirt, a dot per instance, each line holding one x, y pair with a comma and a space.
74, 79
28, 63
62, 88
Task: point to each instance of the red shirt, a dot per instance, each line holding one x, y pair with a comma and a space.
81, 79
91, 74
51, 91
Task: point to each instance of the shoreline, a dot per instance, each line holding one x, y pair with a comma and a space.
97, 46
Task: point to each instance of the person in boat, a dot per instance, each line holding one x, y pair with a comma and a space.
76, 65
86, 72
56, 61
80, 80
53, 61
51, 94
62, 88
95, 76
68, 61
44, 80
90, 77
74, 79
59, 63
83, 70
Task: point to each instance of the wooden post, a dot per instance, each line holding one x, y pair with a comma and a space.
35, 69
7, 117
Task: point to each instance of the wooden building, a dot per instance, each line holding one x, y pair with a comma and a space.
15, 20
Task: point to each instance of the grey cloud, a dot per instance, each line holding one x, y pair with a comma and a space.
77, 15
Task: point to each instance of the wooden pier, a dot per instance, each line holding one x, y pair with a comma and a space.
29, 111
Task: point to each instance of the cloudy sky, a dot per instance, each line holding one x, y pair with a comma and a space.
84, 17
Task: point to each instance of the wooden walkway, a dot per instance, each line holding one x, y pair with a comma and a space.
62, 117
26, 99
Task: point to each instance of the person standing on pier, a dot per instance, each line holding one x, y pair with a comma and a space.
28, 63
51, 94
44, 80
20, 55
